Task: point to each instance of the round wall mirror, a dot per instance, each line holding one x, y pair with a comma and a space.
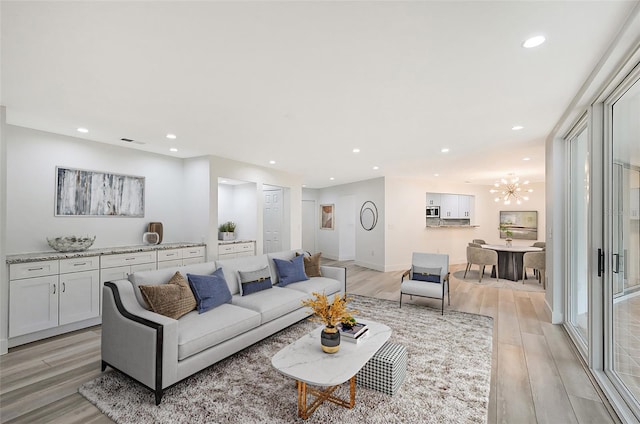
368, 215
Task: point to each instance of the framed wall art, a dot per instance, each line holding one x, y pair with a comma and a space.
522, 225
92, 193
327, 220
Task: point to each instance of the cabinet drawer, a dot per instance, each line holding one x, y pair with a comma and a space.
190, 261
112, 274
193, 252
243, 247
110, 261
143, 267
169, 255
169, 264
88, 263
33, 269
225, 249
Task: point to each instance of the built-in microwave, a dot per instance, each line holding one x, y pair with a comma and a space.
433, 211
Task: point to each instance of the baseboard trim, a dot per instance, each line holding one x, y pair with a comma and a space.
4, 346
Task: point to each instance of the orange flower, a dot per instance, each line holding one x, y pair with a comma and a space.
329, 313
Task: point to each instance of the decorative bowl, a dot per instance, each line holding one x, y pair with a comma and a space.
71, 243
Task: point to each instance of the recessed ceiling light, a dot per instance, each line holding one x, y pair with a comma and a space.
171, 136
331, 178
224, 181
533, 41
173, 149
356, 150
83, 130
272, 162
526, 158
375, 168
517, 127
304, 185
436, 175
444, 150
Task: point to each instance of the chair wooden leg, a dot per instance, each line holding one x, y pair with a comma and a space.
401, 299
466, 270
481, 271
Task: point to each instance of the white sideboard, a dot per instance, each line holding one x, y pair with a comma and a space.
52, 293
236, 249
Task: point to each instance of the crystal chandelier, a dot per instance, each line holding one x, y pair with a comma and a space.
511, 190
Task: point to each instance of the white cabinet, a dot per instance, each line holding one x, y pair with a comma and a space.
119, 266
235, 250
433, 199
456, 206
449, 208
70, 293
179, 257
33, 304
634, 207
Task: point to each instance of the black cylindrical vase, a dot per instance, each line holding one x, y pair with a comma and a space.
330, 339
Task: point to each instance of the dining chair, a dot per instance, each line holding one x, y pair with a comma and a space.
428, 277
535, 260
479, 241
475, 245
481, 257
540, 244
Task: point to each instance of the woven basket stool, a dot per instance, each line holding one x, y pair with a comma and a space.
386, 370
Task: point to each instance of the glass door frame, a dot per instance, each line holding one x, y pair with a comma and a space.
607, 352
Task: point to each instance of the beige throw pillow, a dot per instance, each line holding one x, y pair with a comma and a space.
312, 264
173, 299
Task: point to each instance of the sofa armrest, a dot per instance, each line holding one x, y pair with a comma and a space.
337, 273
138, 342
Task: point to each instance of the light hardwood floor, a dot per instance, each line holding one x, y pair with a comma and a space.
536, 375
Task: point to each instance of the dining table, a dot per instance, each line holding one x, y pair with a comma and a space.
510, 260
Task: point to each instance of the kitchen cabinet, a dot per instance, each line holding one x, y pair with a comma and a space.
179, 257
237, 249
433, 199
456, 206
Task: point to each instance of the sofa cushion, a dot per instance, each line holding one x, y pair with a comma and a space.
198, 332
173, 299
312, 264
230, 267
210, 290
420, 273
272, 304
290, 271
254, 281
162, 276
287, 255
319, 285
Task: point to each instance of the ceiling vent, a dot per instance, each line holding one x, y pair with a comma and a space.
128, 140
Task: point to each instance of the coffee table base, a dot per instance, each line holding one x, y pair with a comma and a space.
304, 410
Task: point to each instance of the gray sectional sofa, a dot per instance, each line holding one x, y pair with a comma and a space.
158, 351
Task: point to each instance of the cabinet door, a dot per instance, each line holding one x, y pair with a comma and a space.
112, 274
190, 261
246, 249
225, 249
33, 305
464, 206
449, 208
79, 296
433, 199
169, 264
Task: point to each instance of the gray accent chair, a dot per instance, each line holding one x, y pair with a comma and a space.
535, 260
482, 258
479, 241
541, 244
421, 265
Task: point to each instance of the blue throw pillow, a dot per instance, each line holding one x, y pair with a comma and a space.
431, 275
290, 271
254, 281
210, 290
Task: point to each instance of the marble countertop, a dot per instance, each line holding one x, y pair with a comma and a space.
53, 255
235, 241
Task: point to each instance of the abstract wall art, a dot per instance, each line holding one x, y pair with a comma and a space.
92, 193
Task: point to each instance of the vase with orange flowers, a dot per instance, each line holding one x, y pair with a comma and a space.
330, 313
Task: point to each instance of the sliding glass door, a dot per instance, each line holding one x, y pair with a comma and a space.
578, 237
622, 290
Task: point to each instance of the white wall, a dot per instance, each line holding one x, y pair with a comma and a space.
32, 157
196, 202
227, 168
406, 231
238, 203
4, 280
348, 198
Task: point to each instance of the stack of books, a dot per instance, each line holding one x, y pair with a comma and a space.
355, 334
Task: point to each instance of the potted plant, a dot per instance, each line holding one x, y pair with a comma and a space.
330, 314
505, 227
227, 231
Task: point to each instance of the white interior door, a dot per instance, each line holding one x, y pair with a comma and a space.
309, 225
272, 220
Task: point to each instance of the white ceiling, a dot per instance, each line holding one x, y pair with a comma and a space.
303, 83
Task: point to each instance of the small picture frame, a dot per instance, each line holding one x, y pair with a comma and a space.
327, 217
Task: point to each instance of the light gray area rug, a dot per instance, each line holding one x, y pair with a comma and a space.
448, 378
